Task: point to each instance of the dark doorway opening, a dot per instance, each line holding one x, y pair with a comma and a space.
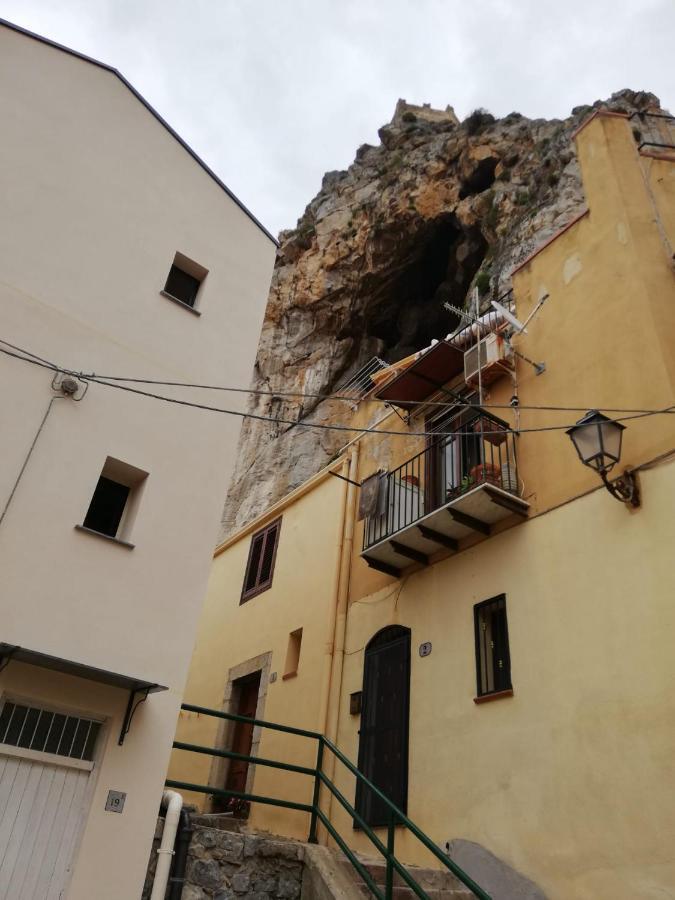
383, 742
245, 703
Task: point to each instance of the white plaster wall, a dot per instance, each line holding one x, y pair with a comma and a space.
97, 197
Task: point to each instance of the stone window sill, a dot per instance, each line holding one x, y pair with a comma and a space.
486, 698
106, 537
181, 303
288, 675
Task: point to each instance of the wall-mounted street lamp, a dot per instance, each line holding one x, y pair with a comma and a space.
597, 440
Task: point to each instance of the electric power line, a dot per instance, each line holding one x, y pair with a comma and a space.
295, 423
91, 376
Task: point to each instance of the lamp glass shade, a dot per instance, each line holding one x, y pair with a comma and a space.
597, 440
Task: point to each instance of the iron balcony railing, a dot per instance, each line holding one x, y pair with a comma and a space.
316, 813
481, 449
358, 384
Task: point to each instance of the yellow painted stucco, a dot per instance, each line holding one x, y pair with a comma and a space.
570, 780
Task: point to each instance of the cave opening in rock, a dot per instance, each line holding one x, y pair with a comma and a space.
406, 311
482, 177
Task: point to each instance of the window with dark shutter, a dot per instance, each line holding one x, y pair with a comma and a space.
261, 558
493, 662
115, 500
184, 281
182, 286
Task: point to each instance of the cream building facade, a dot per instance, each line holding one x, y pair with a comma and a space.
121, 254
518, 616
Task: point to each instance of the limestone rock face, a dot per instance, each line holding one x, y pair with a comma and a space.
436, 208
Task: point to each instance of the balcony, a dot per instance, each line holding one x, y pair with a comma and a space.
462, 484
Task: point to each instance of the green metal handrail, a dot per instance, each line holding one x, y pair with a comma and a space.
396, 817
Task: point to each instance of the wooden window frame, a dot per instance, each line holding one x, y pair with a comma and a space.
501, 690
273, 529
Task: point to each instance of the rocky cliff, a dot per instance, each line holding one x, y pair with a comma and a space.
437, 208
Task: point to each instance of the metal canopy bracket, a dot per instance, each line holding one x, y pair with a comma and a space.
6, 656
131, 709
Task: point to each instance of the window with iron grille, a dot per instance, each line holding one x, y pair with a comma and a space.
261, 558
493, 663
39, 729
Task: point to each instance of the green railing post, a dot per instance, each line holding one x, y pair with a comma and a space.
396, 817
312, 839
389, 878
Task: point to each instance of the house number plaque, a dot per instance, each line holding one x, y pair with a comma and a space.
115, 801
425, 648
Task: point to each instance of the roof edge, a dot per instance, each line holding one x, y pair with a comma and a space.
96, 62
271, 512
554, 237
597, 114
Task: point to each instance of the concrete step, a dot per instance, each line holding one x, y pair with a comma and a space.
221, 821
405, 893
438, 884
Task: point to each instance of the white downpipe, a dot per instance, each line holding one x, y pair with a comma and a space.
174, 803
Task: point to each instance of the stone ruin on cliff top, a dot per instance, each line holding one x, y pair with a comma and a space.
437, 208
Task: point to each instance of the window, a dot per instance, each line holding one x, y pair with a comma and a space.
184, 280
293, 653
115, 499
48, 732
261, 557
493, 663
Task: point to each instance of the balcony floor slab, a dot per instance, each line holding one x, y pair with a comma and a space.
477, 511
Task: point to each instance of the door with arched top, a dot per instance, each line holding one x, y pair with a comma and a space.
383, 738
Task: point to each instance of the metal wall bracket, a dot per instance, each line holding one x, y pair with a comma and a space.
131, 709
6, 658
624, 488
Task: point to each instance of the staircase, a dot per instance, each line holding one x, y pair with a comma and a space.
436, 884
368, 878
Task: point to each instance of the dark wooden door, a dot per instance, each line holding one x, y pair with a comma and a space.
242, 737
383, 742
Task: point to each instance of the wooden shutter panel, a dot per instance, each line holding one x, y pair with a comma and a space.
268, 554
251, 580
260, 566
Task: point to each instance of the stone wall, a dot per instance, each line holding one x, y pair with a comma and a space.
229, 866
225, 865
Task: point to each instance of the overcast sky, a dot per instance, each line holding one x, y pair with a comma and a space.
272, 94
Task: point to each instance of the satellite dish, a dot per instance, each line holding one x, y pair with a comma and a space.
517, 324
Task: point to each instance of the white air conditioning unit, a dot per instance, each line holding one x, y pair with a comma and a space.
491, 355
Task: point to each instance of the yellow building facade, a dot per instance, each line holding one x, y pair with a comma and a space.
555, 757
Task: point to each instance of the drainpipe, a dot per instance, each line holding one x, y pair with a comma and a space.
341, 608
330, 632
183, 838
174, 804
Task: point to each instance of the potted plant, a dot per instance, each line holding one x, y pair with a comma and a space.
486, 472
492, 431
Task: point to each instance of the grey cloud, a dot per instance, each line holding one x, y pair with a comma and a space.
273, 94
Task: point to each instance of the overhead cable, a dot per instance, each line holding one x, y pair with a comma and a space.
319, 396
297, 423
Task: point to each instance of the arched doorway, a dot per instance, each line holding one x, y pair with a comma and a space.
383, 742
